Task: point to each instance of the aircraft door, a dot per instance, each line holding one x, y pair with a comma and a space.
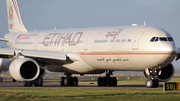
86, 42
137, 40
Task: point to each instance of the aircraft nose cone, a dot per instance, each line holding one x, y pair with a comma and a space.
169, 54
169, 47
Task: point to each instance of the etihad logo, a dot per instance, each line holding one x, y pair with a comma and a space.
57, 39
10, 16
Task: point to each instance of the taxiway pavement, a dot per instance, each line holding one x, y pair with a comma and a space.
8, 84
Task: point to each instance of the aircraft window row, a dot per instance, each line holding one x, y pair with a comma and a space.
154, 39
100, 41
129, 40
122, 40
118, 40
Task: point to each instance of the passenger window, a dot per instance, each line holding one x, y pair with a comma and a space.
163, 39
152, 39
170, 39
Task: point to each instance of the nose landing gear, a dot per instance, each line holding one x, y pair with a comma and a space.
151, 82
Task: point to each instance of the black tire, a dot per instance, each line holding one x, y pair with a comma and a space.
149, 83
99, 81
71, 81
104, 81
62, 81
111, 82
155, 83
114, 81
67, 81
38, 82
75, 81
13, 80
28, 84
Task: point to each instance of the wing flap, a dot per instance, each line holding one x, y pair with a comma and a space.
56, 55
5, 52
49, 57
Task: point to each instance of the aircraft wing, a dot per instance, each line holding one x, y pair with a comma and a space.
42, 57
178, 54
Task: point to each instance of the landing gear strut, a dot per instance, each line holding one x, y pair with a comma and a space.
107, 80
151, 82
69, 81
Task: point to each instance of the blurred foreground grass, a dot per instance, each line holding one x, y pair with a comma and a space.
89, 94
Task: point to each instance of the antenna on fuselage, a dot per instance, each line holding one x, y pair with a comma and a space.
144, 23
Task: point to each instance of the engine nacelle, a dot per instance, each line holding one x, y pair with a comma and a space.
42, 73
4, 64
166, 73
24, 69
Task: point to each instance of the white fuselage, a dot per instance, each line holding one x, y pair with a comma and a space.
109, 48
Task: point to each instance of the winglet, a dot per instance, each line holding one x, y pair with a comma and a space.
14, 18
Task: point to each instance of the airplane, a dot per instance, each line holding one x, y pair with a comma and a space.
82, 51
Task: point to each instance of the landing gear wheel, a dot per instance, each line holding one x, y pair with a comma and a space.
62, 81
152, 83
104, 81
38, 82
75, 81
67, 81
149, 83
13, 80
99, 81
112, 81
28, 84
155, 83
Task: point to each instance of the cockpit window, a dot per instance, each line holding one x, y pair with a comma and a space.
163, 39
170, 39
152, 39
155, 39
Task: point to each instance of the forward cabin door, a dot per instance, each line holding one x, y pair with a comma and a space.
87, 42
137, 40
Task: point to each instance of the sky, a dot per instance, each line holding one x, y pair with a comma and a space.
64, 14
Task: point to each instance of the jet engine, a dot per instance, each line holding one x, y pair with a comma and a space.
24, 69
165, 73
4, 64
162, 74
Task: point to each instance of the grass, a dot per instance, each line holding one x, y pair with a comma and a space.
87, 94
91, 94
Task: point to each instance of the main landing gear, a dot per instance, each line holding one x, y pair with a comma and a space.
151, 82
69, 81
107, 80
37, 82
